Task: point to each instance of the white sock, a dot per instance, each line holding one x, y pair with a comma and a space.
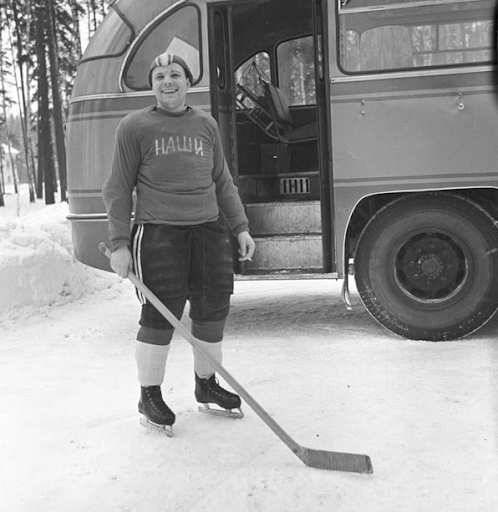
151, 363
202, 366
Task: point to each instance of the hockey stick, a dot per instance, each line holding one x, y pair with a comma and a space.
319, 459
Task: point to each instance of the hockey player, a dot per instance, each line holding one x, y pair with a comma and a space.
179, 245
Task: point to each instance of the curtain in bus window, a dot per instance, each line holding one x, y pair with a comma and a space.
178, 33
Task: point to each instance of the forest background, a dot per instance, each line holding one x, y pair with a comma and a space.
41, 43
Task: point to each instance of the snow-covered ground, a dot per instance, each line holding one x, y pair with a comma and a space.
36, 264
70, 441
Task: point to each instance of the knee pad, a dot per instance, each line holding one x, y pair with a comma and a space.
209, 308
151, 318
155, 336
210, 331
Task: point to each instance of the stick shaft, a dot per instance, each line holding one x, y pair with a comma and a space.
244, 394
320, 459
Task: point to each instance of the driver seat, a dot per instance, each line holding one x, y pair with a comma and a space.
271, 113
281, 115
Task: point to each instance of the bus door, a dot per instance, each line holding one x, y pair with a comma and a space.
320, 37
268, 113
221, 73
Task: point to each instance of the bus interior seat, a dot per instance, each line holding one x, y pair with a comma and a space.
282, 117
270, 111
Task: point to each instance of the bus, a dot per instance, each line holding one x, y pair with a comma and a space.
362, 135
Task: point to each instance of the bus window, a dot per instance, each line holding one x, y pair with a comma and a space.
112, 38
177, 33
250, 73
296, 71
394, 35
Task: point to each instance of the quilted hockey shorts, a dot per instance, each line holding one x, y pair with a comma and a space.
180, 263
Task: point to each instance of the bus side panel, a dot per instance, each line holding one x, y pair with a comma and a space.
405, 141
91, 137
97, 77
90, 145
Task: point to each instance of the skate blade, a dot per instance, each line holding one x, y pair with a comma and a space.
162, 429
225, 413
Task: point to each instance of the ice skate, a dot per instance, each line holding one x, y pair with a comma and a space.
208, 391
154, 413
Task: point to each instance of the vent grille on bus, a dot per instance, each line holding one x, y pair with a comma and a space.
294, 185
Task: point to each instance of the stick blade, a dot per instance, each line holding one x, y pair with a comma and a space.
336, 461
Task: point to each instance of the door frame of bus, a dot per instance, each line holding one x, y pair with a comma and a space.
321, 45
223, 94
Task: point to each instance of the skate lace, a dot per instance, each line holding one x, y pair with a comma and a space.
156, 400
213, 387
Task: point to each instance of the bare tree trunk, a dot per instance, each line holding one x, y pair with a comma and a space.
2, 185
15, 176
56, 99
76, 27
93, 17
23, 101
45, 152
2, 78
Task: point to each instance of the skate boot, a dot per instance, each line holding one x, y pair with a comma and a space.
208, 391
154, 413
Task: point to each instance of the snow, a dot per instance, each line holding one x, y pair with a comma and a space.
70, 439
37, 267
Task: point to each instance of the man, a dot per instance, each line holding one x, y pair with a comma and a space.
179, 245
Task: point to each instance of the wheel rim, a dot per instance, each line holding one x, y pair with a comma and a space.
430, 267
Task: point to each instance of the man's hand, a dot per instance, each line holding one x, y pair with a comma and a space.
121, 261
246, 246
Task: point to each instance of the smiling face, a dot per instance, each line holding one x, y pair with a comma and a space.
170, 85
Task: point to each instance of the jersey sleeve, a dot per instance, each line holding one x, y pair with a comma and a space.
118, 189
226, 191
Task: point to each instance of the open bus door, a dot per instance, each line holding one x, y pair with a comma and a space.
269, 93
320, 38
221, 72
222, 84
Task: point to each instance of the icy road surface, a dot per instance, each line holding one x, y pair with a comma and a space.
70, 439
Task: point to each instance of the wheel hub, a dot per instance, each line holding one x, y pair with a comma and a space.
430, 267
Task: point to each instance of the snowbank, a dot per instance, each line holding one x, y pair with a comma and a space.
37, 266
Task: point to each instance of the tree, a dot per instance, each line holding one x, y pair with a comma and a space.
56, 99
45, 148
45, 43
4, 99
21, 84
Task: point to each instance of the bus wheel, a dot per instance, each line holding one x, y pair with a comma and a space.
426, 266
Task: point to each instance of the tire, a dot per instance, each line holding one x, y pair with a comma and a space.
426, 267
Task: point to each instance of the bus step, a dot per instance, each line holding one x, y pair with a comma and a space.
286, 252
